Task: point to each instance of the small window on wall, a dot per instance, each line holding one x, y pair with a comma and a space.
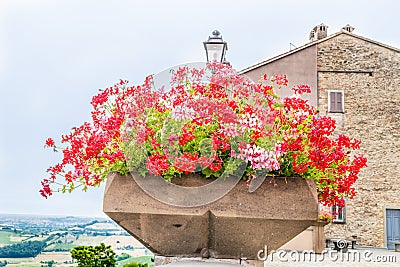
335, 101
339, 215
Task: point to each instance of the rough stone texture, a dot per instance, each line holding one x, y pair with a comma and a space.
372, 114
236, 226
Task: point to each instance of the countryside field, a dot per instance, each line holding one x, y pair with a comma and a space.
60, 258
63, 258
59, 238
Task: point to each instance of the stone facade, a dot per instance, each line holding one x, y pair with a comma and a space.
371, 114
368, 74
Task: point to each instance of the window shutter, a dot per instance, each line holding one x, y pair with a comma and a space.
339, 215
336, 104
332, 101
339, 101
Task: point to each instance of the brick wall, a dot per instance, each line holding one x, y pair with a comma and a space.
371, 114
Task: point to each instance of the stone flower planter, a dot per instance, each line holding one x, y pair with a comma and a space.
237, 225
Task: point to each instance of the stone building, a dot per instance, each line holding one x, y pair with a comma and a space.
356, 81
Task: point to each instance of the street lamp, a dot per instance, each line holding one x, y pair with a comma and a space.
215, 47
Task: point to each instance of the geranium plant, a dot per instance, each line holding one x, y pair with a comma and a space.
325, 216
195, 126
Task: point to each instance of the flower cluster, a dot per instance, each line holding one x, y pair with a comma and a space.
325, 216
259, 158
197, 126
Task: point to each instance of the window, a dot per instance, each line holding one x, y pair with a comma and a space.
335, 101
340, 216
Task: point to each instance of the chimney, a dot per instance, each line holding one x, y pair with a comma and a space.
319, 32
348, 28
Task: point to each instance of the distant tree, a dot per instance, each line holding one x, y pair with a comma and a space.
22, 250
123, 256
48, 263
98, 256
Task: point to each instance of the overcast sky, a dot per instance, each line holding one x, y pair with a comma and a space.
55, 55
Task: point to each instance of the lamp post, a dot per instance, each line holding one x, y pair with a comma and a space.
215, 47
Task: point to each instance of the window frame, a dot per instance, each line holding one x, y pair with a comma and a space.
342, 214
329, 101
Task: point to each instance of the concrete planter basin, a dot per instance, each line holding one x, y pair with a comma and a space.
237, 225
